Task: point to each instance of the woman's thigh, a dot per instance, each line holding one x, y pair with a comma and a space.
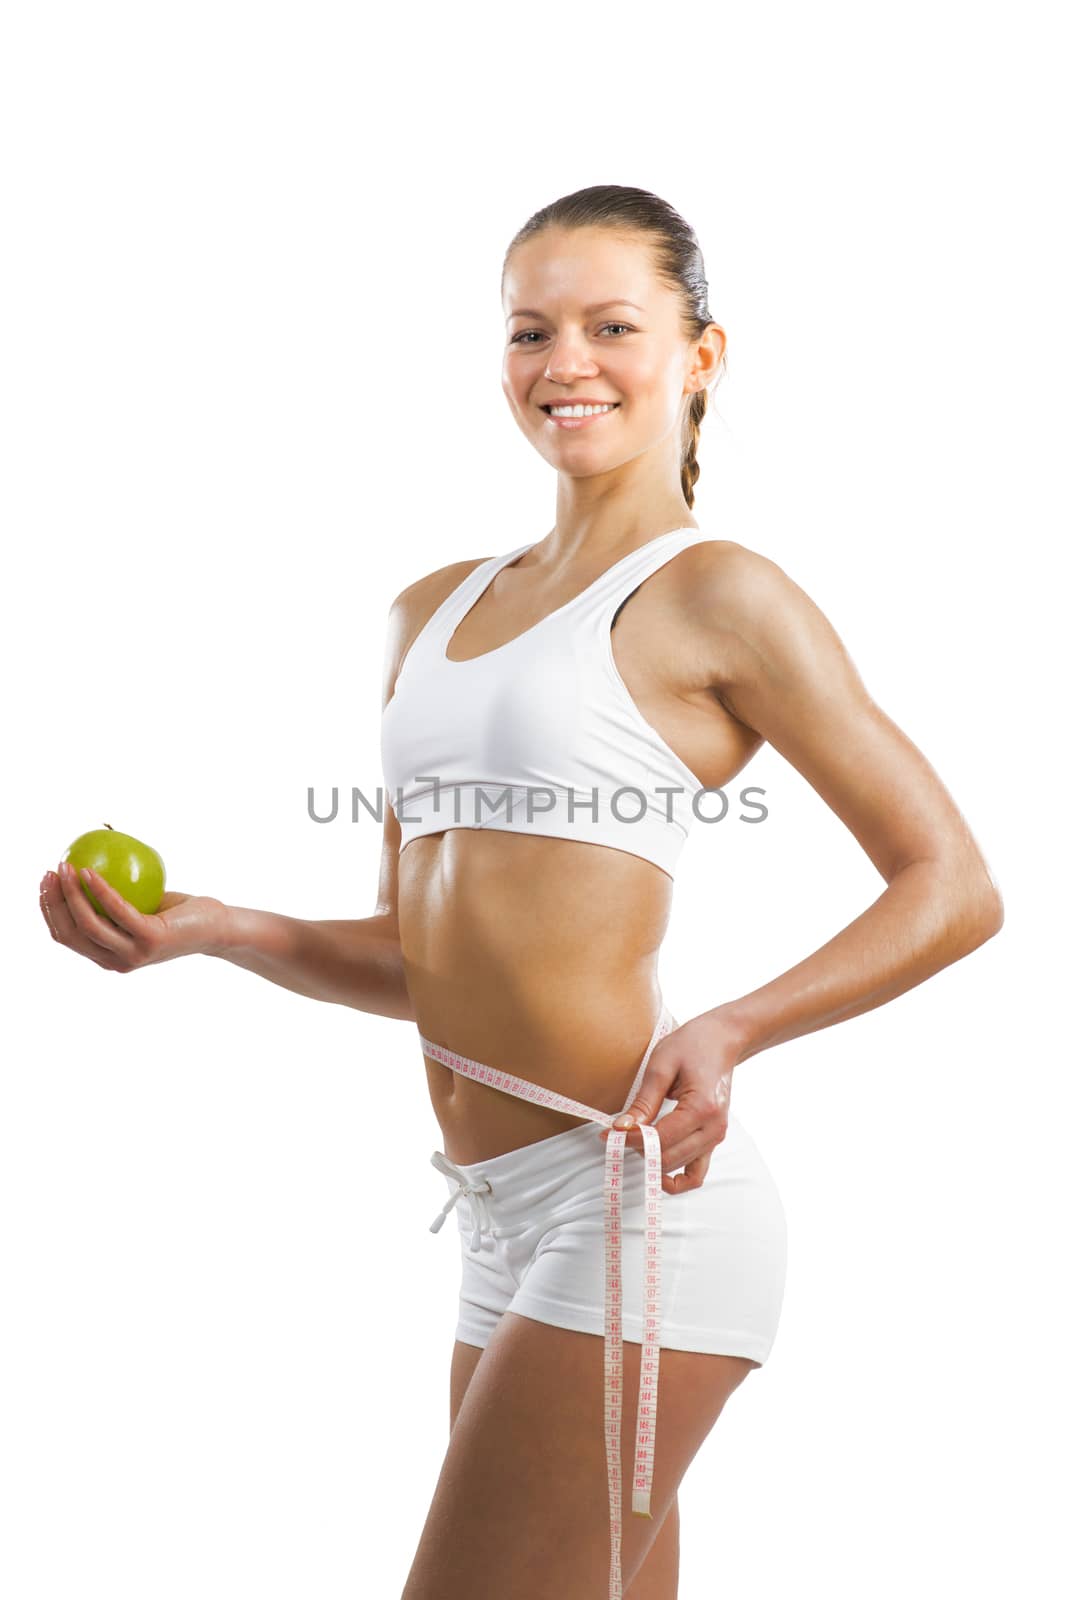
658, 1575
464, 1361
521, 1503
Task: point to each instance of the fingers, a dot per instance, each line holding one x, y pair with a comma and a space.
640, 1109
125, 918
72, 921
692, 1151
692, 1178
696, 1147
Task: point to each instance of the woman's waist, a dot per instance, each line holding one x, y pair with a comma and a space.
527, 980
498, 1073
564, 1171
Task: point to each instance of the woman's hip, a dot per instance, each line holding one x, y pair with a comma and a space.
534, 1242
530, 1194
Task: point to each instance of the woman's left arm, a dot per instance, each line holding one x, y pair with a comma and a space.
788, 676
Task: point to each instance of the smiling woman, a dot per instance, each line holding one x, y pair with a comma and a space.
550, 716
673, 300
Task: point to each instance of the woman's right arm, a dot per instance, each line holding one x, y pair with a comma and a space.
351, 963
355, 964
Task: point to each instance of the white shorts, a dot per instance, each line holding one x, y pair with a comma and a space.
541, 1244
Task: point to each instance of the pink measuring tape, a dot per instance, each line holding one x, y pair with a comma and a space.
642, 1489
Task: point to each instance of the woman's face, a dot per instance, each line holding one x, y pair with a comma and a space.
587, 319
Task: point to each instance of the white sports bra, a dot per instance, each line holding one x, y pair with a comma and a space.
540, 735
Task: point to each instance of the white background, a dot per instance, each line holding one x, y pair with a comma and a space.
251, 389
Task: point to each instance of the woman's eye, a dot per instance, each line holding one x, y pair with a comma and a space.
520, 338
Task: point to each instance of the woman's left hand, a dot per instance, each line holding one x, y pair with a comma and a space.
693, 1065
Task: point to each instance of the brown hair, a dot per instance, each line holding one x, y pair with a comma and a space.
677, 261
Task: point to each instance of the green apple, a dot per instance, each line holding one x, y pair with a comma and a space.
132, 868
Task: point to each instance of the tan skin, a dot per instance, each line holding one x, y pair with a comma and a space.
540, 954
573, 1011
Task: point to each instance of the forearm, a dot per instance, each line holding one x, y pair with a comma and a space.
354, 964
926, 918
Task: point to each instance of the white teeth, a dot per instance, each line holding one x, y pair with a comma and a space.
579, 411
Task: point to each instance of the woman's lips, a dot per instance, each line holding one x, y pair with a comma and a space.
581, 422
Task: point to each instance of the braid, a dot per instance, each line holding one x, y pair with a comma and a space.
691, 469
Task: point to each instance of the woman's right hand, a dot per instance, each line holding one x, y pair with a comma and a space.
184, 925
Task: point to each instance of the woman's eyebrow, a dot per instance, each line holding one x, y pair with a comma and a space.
602, 305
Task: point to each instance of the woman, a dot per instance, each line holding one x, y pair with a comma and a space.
551, 716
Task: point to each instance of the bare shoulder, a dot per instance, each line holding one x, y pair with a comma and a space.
766, 628
738, 582
433, 587
413, 607
787, 674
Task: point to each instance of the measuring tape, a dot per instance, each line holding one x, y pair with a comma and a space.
642, 1487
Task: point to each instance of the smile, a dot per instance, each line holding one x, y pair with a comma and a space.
579, 416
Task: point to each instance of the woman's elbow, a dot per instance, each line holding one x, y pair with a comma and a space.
984, 912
